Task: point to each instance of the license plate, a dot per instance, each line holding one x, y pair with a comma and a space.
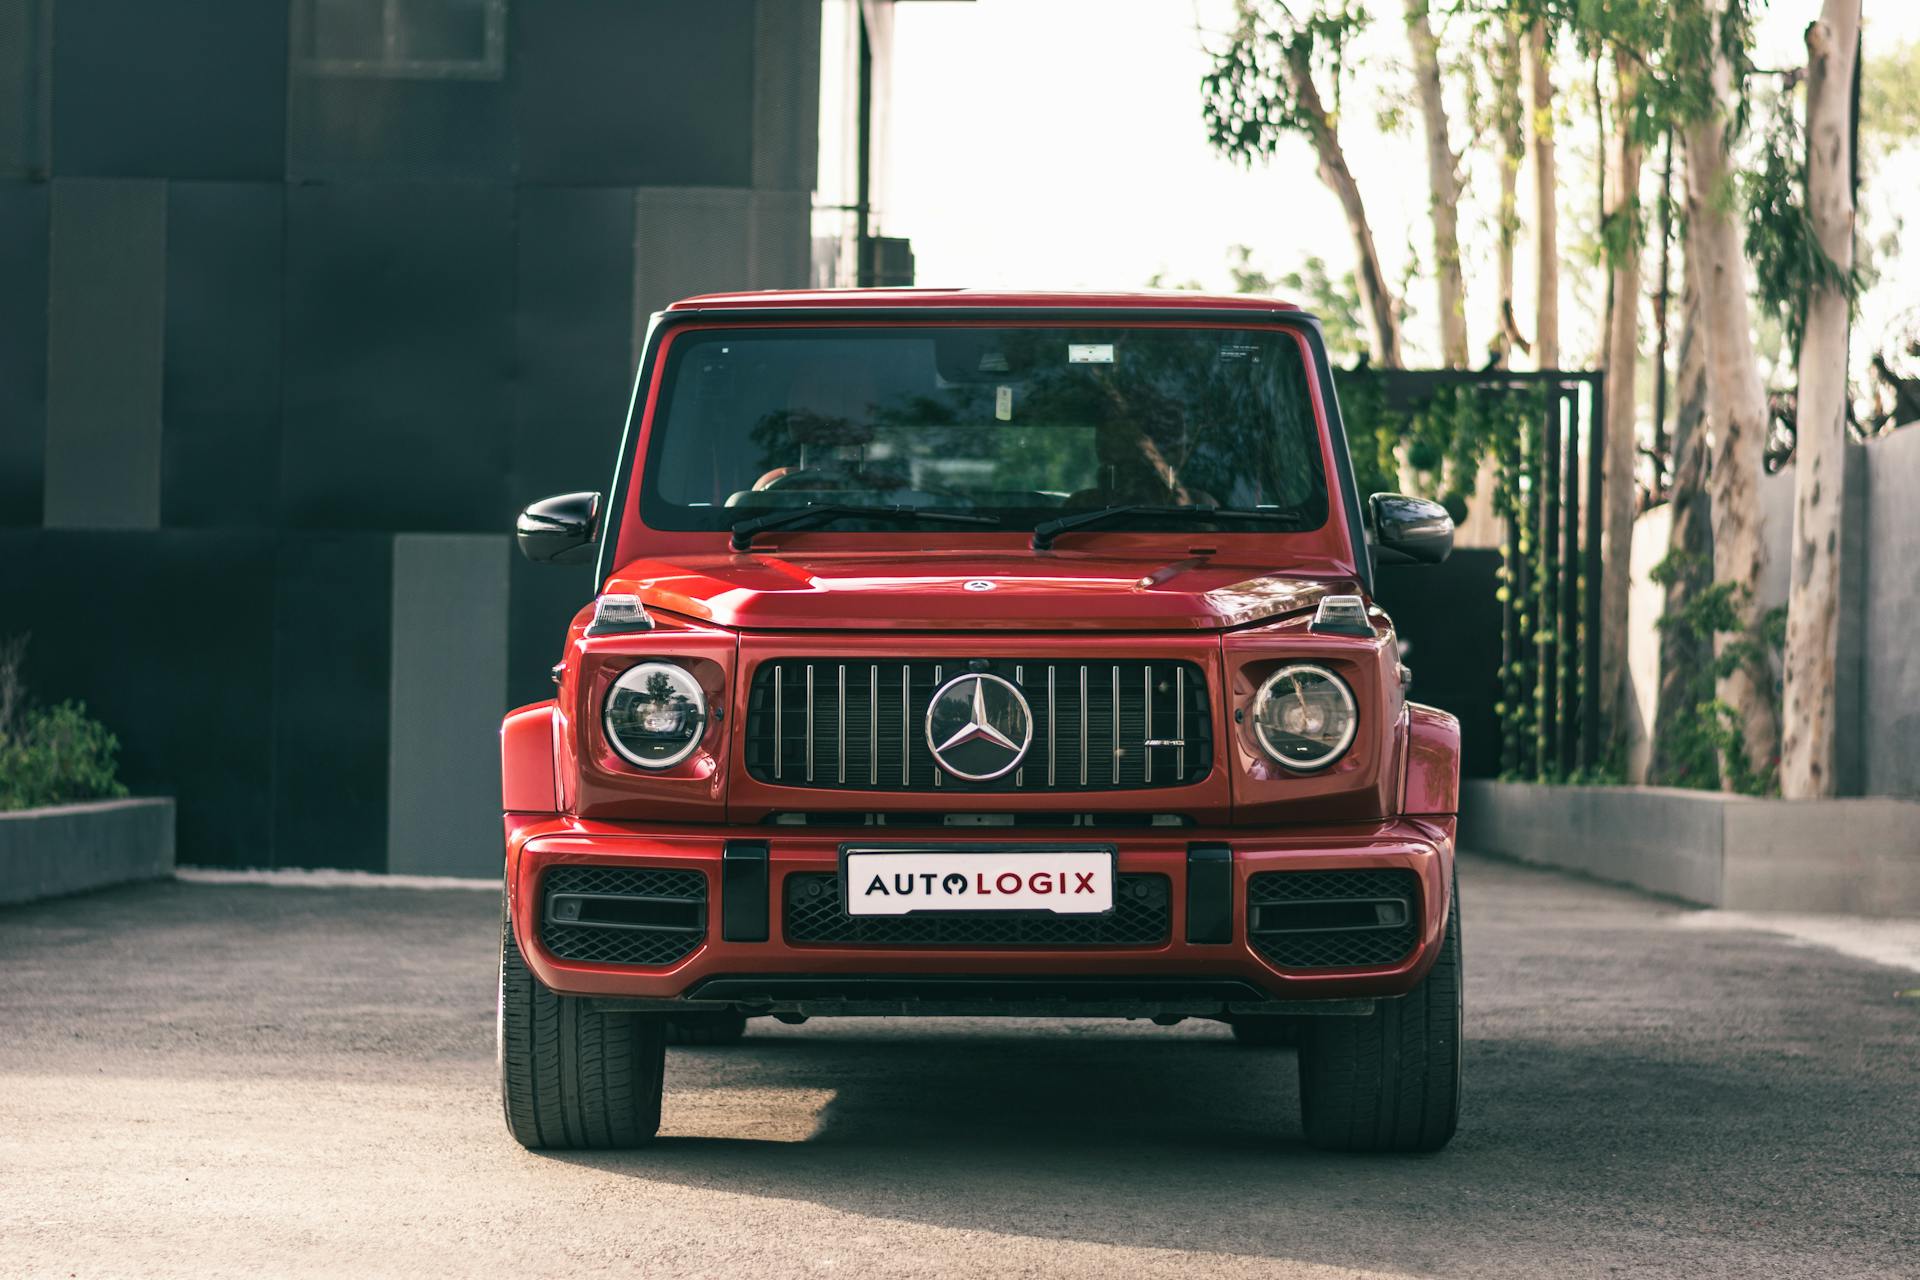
898, 882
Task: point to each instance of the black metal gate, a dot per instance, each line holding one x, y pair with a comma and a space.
1533, 683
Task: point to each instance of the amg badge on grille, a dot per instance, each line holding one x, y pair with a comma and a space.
979, 726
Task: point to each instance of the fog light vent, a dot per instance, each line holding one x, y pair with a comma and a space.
640, 916
1362, 918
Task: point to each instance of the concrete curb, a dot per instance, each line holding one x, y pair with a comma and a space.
1853, 856
46, 853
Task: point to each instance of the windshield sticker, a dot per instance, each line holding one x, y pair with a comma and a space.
1003, 403
1089, 353
1234, 354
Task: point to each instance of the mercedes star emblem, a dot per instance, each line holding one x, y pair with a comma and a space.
979, 727
977, 584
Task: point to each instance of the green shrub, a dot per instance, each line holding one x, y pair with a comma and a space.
56, 755
49, 755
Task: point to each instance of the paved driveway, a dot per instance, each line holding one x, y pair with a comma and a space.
202, 1080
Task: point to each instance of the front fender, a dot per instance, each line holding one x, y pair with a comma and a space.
528, 774
1430, 785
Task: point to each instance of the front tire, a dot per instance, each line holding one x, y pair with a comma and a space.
573, 1077
1389, 1081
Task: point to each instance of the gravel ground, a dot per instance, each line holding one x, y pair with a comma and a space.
236, 1080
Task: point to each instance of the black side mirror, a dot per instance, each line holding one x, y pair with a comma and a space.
1409, 530
559, 530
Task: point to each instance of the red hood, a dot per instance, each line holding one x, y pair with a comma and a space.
928, 590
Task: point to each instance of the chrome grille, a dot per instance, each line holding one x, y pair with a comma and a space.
857, 724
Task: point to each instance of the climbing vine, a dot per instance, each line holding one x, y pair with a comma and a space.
1436, 445
1704, 741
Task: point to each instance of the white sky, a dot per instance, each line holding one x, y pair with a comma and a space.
1059, 143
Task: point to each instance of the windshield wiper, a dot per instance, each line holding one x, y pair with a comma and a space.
1045, 533
816, 512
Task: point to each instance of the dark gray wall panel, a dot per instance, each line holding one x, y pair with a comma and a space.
167, 638
574, 272
106, 310
399, 339
25, 28
449, 690
332, 623
342, 127
575, 310
220, 446
786, 95
646, 92
542, 602
290, 297
23, 351
180, 89
688, 242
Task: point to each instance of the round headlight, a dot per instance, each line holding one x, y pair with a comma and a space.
655, 714
1305, 716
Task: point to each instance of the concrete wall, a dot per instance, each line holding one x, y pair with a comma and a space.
47, 853
1890, 635
1879, 691
1857, 857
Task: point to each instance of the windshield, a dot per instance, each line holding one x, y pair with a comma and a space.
1024, 424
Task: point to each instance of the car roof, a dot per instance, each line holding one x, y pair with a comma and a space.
999, 299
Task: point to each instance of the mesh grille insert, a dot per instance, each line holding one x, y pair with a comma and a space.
1336, 948
1140, 918
629, 946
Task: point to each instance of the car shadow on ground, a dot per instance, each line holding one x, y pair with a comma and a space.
1005, 1090
1194, 1141
1189, 1140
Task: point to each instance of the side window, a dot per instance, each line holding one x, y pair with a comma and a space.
401, 39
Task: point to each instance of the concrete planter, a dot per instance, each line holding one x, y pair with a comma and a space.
1857, 856
68, 848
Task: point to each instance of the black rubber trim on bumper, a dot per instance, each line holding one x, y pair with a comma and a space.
943, 987
1209, 893
928, 995
743, 891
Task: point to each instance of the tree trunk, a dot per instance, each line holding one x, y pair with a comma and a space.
1819, 490
1443, 187
1623, 362
1661, 448
1684, 657
1546, 212
1736, 404
1382, 310
1513, 151
1482, 528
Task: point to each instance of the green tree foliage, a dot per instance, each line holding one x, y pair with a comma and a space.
1788, 261
1890, 96
1248, 99
1334, 299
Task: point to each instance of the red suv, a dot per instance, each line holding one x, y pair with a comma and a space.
981, 653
